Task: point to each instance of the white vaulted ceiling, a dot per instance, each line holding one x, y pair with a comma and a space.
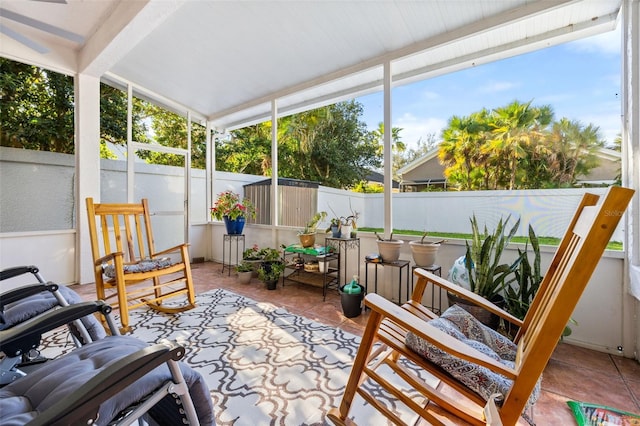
226, 60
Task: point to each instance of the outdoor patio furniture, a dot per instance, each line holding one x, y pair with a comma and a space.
459, 352
125, 259
29, 301
114, 380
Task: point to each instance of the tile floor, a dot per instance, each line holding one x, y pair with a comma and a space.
573, 373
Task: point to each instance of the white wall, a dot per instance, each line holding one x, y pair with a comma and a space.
26, 200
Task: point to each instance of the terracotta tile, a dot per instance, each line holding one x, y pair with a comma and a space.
573, 373
587, 385
585, 358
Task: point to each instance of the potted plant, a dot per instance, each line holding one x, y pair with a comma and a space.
269, 272
334, 227
484, 272
245, 272
389, 250
424, 252
307, 234
233, 210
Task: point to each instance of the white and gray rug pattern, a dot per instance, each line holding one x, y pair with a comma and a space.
263, 364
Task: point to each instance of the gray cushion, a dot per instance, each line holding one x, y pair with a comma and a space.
20, 401
145, 265
29, 307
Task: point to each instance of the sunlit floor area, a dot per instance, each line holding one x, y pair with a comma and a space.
573, 373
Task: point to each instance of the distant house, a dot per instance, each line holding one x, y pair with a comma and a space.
427, 172
606, 173
422, 173
376, 177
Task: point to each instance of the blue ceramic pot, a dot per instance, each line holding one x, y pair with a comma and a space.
234, 227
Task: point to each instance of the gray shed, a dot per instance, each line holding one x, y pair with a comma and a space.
298, 200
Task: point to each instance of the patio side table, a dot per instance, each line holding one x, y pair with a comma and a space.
228, 240
399, 264
342, 247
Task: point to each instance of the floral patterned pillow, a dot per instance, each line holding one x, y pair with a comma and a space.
460, 324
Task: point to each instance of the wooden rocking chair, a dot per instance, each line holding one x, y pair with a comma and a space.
125, 259
391, 329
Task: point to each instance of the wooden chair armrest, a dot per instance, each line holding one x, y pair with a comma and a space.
173, 249
465, 294
433, 335
107, 257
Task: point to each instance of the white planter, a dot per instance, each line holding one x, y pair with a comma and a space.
389, 250
424, 254
345, 231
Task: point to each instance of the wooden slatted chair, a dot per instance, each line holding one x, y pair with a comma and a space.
391, 329
125, 260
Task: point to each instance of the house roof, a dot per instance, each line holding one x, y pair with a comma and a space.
227, 61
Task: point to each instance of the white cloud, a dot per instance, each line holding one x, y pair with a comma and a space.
609, 43
496, 86
414, 128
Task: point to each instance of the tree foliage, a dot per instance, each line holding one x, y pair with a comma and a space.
517, 146
37, 108
329, 145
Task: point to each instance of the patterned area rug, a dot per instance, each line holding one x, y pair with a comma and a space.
263, 365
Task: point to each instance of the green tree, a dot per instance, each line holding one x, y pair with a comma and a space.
461, 151
329, 145
572, 150
37, 108
515, 127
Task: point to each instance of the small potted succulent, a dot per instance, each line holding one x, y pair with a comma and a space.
307, 234
245, 272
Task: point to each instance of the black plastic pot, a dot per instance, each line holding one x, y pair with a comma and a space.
352, 303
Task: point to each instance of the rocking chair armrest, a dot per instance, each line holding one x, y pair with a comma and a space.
170, 250
107, 257
438, 338
467, 295
83, 404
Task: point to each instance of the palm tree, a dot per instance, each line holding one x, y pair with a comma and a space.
573, 148
461, 150
514, 127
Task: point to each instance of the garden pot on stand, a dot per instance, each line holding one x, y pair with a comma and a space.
389, 250
424, 254
234, 226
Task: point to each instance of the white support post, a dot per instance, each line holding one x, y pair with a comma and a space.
387, 153
631, 174
275, 208
87, 164
131, 153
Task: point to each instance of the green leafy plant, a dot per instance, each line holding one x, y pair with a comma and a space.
487, 273
520, 291
229, 204
270, 271
311, 226
252, 253
268, 254
244, 267
522, 288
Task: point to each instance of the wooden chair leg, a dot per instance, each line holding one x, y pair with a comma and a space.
339, 416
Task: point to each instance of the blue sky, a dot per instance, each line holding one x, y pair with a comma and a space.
580, 80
